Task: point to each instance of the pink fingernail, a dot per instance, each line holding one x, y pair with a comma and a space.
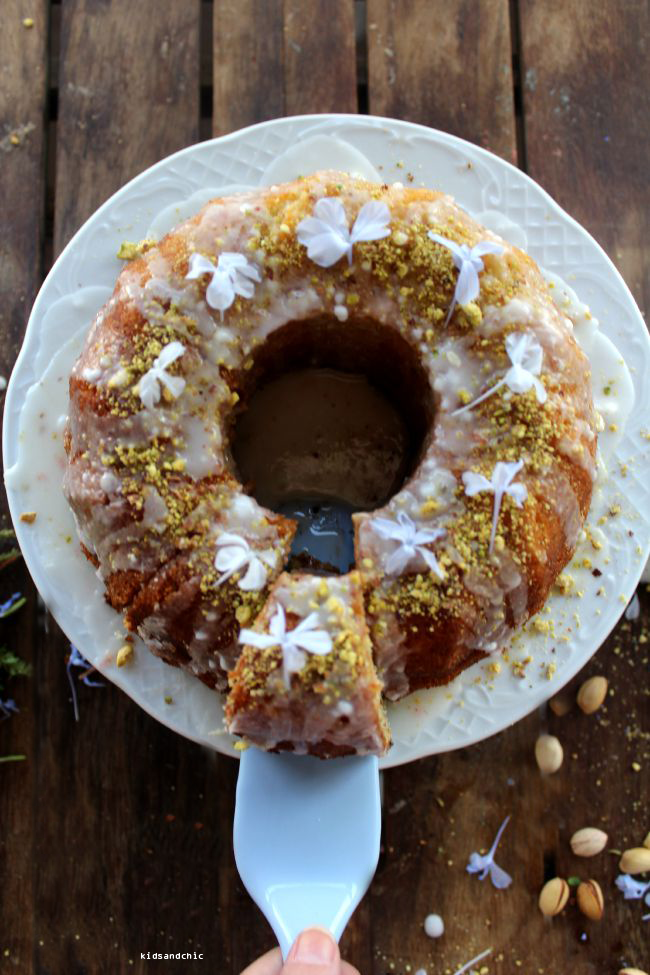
314, 947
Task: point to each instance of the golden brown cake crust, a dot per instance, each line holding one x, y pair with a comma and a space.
152, 484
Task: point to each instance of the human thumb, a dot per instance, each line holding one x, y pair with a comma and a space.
314, 952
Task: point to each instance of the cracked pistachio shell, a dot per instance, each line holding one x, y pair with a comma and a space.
590, 899
553, 896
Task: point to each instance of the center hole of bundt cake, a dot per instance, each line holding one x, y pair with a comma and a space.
333, 418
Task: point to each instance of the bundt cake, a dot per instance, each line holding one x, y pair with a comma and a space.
450, 321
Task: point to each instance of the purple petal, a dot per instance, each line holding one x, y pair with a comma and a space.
500, 879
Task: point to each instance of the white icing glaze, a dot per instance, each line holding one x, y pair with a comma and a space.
298, 303
611, 382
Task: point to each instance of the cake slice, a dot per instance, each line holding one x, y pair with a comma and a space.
305, 681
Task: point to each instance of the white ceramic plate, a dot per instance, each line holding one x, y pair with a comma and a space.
572, 626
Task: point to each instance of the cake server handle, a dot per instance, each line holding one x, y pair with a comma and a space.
306, 838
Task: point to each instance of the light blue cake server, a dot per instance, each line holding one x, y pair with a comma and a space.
307, 831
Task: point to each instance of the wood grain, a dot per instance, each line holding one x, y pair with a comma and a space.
586, 96
444, 63
320, 71
273, 58
23, 95
248, 63
23, 105
128, 96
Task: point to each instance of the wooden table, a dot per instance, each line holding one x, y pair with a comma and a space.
115, 834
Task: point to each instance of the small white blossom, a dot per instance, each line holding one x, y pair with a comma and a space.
411, 542
503, 475
149, 385
294, 644
235, 553
327, 237
232, 275
486, 865
469, 264
526, 355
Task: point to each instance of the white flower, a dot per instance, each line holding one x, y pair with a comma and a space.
326, 235
235, 553
149, 385
410, 543
500, 484
232, 275
526, 355
469, 264
630, 887
500, 879
293, 644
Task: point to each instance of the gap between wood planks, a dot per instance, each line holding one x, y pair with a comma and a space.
518, 76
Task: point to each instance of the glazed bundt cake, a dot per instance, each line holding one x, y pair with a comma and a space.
452, 322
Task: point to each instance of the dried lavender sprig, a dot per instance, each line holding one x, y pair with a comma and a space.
7, 708
12, 605
77, 660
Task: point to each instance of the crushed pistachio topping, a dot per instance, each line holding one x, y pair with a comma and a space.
129, 250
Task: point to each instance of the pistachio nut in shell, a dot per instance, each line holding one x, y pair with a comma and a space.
592, 694
631, 971
561, 704
553, 897
549, 753
590, 899
588, 842
636, 860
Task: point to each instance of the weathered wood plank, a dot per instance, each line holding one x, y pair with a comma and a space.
23, 103
126, 835
273, 59
587, 102
22, 116
319, 60
248, 63
128, 96
444, 64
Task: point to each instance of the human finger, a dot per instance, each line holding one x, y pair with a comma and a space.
268, 964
